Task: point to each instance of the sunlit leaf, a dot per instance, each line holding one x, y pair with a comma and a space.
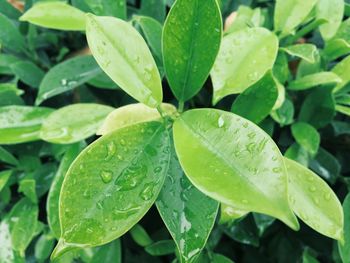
333, 11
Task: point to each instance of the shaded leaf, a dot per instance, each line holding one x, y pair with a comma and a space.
307, 136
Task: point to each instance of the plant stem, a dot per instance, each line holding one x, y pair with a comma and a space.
181, 106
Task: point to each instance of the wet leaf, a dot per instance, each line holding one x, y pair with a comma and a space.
67, 76
116, 180
55, 15
188, 214
191, 41
307, 136
314, 201
291, 13
73, 123
307, 52
243, 60
124, 56
333, 12
133, 114
313, 80
228, 214
21, 123
256, 102
344, 249
231, 160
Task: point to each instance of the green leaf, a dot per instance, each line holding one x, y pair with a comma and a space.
308, 257
28, 72
8, 10
289, 14
10, 37
249, 104
245, 18
23, 223
73, 123
188, 214
67, 76
21, 123
341, 70
318, 108
161, 248
55, 15
326, 165
217, 258
298, 153
43, 247
133, 114
116, 8
307, 52
336, 48
314, 201
344, 249
333, 11
154, 9
307, 136
284, 115
27, 187
313, 80
7, 157
55, 189
233, 161
116, 180
191, 40
343, 109
6, 253
124, 56
228, 214
243, 60
140, 236
109, 253
4, 177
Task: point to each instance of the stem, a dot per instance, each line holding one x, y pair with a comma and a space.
159, 109
305, 30
181, 106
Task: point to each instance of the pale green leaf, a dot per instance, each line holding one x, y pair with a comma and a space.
314, 201
123, 54
344, 249
55, 15
307, 52
228, 213
191, 40
333, 12
313, 80
342, 69
343, 109
133, 114
233, 161
73, 123
243, 60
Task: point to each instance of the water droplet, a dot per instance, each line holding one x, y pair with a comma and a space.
106, 176
148, 192
327, 196
99, 205
131, 177
277, 169
122, 142
221, 122
312, 188
150, 150
158, 169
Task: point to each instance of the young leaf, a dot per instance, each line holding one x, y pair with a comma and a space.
341, 70
27, 187
10, 37
314, 201
307, 136
318, 108
28, 72
133, 114
243, 60
73, 123
67, 76
161, 248
188, 214
233, 161
343, 109
116, 180
313, 80
291, 13
333, 12
307, 52
7, 157
249, 104
54, 193
344, 249
21, 123
123, 54
109, 253
55, 15
191, 41
23, 221
4, 177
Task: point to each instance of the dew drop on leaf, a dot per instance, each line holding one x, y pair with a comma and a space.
106, 176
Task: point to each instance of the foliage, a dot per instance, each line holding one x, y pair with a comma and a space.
174, 131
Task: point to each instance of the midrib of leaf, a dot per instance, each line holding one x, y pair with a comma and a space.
92, 209
227, 162
190, 58
130, 65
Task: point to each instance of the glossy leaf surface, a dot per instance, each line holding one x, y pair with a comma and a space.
67, 76
291, 13
314, 201
256, 102
21, 123
133, 114
55, 15
191, 41
341, 70
116, 180
307, 52
333, 12
344, 249
230, 159
73, 123
307, 136
313, 80
188, 214
123, 54
243, 60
